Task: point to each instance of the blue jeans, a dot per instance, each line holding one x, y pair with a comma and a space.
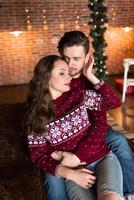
109, 180
119, 146
55, 186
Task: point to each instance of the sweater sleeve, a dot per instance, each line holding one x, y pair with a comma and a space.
40, 154
94, 140
111, 99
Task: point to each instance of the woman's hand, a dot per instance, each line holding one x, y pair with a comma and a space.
71, 160
57, 155
82, 177
67, 159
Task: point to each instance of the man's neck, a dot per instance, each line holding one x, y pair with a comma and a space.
76, 76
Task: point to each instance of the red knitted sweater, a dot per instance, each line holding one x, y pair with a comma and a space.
79, 127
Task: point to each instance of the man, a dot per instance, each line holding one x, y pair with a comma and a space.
74, 47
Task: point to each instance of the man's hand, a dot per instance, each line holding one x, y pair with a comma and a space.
88, 71
88, 68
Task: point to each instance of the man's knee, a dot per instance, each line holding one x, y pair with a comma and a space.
117, 142
115, 136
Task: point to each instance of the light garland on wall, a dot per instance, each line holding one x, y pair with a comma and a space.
45, 25
61, 21
77, 25
28, 20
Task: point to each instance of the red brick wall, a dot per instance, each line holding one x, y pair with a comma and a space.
43, 22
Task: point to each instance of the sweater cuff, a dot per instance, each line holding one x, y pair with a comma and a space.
98, 85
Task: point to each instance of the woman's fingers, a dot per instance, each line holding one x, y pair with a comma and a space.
83, 163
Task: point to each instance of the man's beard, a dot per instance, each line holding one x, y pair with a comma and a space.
76, 73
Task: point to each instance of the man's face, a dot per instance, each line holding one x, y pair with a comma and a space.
76, 58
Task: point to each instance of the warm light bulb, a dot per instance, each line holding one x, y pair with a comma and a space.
29, 27
77, 26
61, 26
16, 33
127, 29
45, 27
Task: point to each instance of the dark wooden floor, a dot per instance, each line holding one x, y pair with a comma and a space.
124, 115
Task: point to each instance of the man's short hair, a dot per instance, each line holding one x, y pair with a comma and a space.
72, 38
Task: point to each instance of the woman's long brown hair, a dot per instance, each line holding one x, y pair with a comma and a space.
39, 102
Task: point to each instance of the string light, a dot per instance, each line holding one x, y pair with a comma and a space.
61, 24
29, 26
45, 26
77, 26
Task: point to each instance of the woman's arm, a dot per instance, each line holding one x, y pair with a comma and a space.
40, 154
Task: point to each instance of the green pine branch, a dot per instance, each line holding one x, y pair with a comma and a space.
97, 22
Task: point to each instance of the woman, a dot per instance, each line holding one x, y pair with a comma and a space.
57, 120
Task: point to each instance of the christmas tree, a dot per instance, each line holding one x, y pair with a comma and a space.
98, 20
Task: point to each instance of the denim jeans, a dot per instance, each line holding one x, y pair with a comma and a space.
109, 179
119, 146
55, 186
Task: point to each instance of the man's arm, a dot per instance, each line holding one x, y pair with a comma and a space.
111, 100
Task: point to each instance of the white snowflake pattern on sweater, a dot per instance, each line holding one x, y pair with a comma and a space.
71, 124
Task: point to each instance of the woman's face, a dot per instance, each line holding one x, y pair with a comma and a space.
60, 79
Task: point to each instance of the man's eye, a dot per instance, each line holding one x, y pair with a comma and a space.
76, 59
66, 59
